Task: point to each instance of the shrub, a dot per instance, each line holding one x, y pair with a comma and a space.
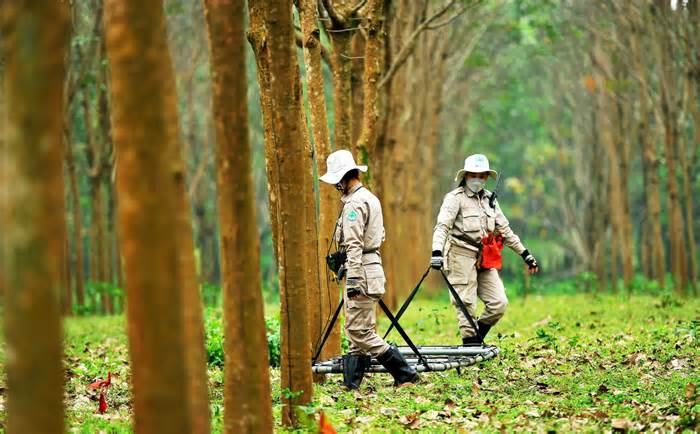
214, 332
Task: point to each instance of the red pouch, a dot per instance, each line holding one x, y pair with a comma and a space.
491, 256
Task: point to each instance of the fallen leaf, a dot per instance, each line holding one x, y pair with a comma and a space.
430, 415
324, 426
532, 413
410, 421
450, 403
689, 390
422, 400
365, 419
103, 404
678, 364
621, 424
598, 414
326, 400
386, 411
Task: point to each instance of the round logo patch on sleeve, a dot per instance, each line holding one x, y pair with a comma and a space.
352, 216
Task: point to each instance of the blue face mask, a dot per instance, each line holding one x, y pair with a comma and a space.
475, 185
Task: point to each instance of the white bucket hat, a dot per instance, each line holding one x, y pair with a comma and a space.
338, 164
476, 163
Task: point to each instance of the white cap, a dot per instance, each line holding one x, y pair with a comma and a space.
476, 163
338, 164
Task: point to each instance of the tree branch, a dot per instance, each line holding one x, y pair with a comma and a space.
325, 54
407, 49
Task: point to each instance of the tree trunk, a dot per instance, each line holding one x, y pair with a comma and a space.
624, 234
598, 218
328, 295
670, 131
247, 401
258, 36
195, 356
154, 227
105, 173
373, 71
277, 31
34, 39
650, 161
342, 88
77, 225
356, 86
688, 190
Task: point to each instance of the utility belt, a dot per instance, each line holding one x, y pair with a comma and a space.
469, 241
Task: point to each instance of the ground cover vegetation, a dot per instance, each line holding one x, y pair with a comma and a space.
568, 363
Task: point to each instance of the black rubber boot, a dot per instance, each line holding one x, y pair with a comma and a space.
484, 328
474, 340
354, 366
471, 341
397, 366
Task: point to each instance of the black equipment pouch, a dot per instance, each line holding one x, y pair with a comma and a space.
336, 260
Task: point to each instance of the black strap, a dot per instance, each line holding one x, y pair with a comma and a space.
327, 332
462, 307
403, 334
408, 301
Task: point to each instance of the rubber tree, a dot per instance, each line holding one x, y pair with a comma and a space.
272, 37
164, 313
247, 400
35, 36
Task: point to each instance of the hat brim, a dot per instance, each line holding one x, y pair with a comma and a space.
335, 177
461, 172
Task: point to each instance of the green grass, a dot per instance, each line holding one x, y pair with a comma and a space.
567, 363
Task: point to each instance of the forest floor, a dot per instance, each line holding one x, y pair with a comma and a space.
567, 363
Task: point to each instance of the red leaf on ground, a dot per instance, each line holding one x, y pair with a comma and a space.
324, 426
101, 383
103, 404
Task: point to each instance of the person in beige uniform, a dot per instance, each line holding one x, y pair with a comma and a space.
360, 233
465, 218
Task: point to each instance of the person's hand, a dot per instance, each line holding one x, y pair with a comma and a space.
436, 261
531, 262
352, 287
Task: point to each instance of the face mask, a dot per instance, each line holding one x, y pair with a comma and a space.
475, 184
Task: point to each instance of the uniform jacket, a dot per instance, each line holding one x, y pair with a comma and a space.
361, 230
465, 218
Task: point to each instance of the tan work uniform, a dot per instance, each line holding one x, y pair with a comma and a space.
464, 219
361, 233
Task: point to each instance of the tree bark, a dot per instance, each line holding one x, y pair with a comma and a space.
277, 31
327, 296
258, 38
77, 225
356, 86
341, 30
247, 401
650, 160
34, 38
373, 72
670, 135
154, 227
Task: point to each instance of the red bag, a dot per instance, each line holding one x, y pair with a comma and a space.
491, 256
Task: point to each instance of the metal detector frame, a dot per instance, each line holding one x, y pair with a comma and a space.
450, 357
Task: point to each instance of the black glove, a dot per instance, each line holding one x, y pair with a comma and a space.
530, 260
436, 260
352, 287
